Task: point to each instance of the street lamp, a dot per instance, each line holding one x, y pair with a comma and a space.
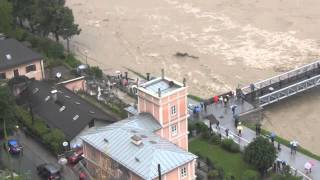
86, 54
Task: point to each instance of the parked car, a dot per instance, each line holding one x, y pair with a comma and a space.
49, 171
13, 146
75, 157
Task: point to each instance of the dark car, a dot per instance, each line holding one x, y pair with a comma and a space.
49, 171
75, 157
13, 146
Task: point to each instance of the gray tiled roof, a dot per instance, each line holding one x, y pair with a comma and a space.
144, 159
75, 105
18, 52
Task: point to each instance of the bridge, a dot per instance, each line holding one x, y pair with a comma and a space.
282, 86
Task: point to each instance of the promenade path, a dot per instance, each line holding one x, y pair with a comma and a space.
225, 117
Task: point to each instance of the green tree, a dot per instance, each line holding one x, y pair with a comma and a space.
7, 105
6, 19
67, 28
260, 153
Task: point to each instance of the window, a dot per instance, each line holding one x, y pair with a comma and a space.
16, 73
30, 68
174, 130
173, 110
183, 172
3, 76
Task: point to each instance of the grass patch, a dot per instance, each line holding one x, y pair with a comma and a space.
232, 163
284, 142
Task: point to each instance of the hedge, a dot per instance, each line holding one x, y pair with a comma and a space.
50, 137
230, 145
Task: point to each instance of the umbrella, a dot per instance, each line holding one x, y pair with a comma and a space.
313, 163
307, 165
239, 127
273, 134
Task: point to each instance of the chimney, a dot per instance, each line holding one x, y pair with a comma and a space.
162, 73
159, 92
136, 140
184, 82
148, 76
54, 95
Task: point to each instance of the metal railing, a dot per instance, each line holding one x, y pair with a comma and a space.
289, 91
267, 82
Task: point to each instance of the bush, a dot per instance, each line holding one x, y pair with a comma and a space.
53, 138
201, 127
215, 139
54, 49
285, 177
213, 175
72, 61
205, 135
251, 175
96, 71
230, 146
220, 171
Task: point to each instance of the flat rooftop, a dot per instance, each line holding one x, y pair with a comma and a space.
165, 85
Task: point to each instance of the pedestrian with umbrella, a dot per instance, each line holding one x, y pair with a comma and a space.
308, 165
294, 146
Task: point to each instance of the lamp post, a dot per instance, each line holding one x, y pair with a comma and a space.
86, 54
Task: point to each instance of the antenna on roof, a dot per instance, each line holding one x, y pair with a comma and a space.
162, 73
159, 171
148, 76
184, 82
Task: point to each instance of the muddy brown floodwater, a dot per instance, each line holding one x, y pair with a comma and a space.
237, 42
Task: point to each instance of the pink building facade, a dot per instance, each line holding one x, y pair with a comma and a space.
33, 70
166, 101
170, 110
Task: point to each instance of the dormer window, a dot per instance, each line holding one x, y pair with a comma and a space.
8, 56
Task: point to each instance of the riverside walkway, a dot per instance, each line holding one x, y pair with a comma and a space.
225, 116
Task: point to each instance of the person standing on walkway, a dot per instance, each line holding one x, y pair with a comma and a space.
218, 125
239, 128
233, 109
221, 99
227, 133
225, 101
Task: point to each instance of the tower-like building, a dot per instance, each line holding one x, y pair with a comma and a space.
166, 100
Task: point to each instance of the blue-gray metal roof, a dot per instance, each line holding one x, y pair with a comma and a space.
143, 159
164, 85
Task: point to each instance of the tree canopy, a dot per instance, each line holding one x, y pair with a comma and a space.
7, 105
44, 17
6, 19
260, 153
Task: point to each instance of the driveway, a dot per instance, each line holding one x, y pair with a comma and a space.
33, 155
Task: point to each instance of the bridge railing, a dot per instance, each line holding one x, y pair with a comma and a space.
289, 91
278, 78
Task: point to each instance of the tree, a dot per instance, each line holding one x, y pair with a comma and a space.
260, 153
7, 104
67, 27
6, 19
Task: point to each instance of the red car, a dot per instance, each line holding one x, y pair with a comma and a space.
75, 157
